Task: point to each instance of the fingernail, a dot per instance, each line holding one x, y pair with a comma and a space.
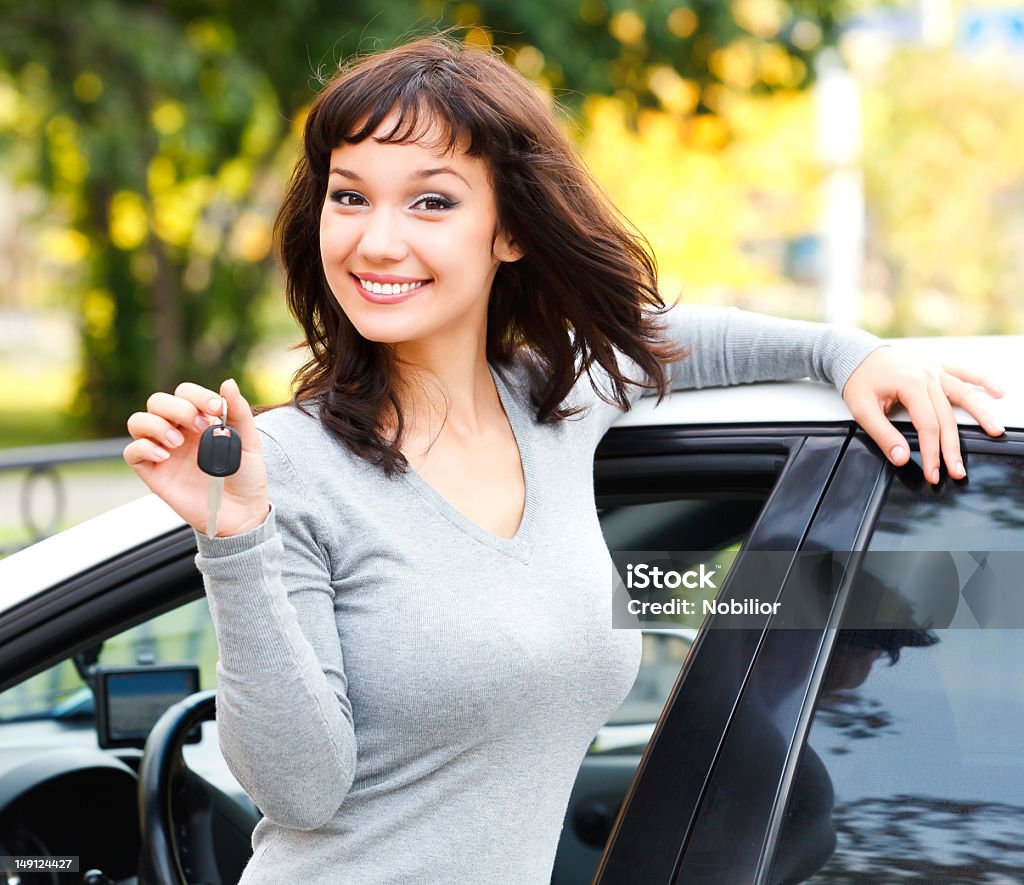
201, 423
232, 387
162, 454
998, 428
958, 470
214, 404
935, 476
174, 438
897, 453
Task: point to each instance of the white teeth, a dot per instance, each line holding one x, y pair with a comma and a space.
389, 288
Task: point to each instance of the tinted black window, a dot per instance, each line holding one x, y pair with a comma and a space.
914, 764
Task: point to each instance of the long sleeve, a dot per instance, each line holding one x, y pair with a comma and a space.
727, 346
284, 720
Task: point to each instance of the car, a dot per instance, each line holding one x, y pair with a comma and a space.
864, 722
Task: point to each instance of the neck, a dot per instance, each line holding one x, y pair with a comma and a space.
447, 387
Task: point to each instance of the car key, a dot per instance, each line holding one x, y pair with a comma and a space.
220, 455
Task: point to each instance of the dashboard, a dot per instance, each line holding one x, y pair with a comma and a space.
62, 795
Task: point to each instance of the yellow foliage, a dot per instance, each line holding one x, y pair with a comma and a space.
762, 18
529, 60
250, 238
161, 174
177, 210
168, 117
627, 26
479, 38
262, 132
9, 105
776, 67
466, 14
128, 220
676, 94
88, 86
64, 246
98, 311
210, 36
734, 65
682, 22
235, 178
699, 202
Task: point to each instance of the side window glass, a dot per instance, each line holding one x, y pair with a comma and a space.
182, 635
914, 762
706, 524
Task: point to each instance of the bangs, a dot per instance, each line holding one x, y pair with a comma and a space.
432, 104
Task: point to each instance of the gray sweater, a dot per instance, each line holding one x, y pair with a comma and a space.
406, 696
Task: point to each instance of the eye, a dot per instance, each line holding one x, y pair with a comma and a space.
439, 202
342, 197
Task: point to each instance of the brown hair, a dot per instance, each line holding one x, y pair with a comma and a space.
582, 271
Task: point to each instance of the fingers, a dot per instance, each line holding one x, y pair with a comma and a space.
921, 408
205, 401
144, 452
971, 401
870, 415
239, 411
157, 428
169, 420
949, 436
971, 377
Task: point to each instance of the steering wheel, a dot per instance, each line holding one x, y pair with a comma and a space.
161, 770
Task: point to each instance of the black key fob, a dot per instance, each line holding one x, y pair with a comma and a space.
220, 450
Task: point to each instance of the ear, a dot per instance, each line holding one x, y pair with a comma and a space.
505, 249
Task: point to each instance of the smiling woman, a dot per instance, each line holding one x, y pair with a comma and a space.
409, 585
392, 243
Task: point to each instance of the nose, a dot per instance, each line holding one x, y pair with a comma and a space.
382, 238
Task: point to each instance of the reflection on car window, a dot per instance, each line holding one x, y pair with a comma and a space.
692, 524
913, 767
182, 635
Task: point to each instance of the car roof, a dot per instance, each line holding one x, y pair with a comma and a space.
1001, 357
84, 546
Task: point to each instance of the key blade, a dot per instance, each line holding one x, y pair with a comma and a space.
213, 500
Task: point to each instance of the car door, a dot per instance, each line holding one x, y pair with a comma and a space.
861, 750
690, 489
915, 728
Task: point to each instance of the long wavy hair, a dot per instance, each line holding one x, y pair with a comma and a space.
585, 287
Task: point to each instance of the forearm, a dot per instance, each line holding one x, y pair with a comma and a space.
729, 346
284, 721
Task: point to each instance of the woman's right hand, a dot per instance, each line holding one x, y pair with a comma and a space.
169, 467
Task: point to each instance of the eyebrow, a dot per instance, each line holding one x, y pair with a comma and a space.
419, 174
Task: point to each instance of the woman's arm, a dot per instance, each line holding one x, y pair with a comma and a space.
728, 346
284, 720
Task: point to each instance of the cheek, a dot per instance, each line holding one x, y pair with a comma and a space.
337, 239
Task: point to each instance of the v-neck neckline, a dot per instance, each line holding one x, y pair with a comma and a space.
518, 546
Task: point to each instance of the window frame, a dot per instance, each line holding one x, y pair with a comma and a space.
661, 805
973, 441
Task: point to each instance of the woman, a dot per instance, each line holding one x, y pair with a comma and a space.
409, 586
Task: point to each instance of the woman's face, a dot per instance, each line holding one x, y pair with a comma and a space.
418, 225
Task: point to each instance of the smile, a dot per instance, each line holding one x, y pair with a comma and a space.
388, 293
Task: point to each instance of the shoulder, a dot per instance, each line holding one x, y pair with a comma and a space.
296, 442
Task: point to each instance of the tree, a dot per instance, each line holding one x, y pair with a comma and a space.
162, 133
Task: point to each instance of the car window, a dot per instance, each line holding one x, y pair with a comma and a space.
182, 635
914, 762
706, 524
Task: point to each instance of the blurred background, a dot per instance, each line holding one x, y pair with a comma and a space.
841, 160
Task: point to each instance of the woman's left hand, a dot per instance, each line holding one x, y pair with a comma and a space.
929, 392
